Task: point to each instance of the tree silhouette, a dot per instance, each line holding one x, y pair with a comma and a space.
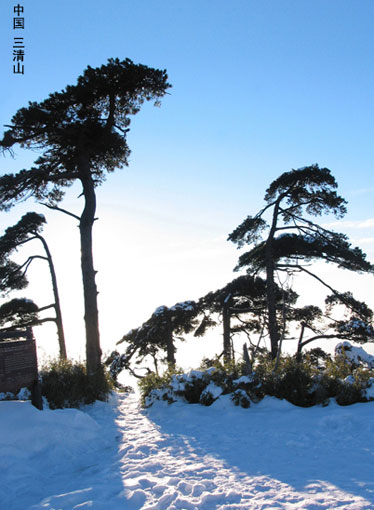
28, 229
354, 324
156, 335
291, 238
241, 306
82, 133
19, 312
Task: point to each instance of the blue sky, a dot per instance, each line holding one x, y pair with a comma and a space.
259, 87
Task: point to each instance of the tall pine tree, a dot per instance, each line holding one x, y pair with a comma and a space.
81, 132
291, 238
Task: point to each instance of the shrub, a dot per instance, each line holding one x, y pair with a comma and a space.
312, 379
65, 383
194, 386
241, 398
231, 369
210, 394
349, 394
346, 381
291, 380
197, 386
8, 395
152, 382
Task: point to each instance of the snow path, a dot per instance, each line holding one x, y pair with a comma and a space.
116, 457
224, 458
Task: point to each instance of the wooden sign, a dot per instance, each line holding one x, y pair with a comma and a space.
18, 363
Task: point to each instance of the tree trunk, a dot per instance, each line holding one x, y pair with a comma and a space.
91, 314
170, 350
226, 329
300, 343
60, 329
270, 285
247, 361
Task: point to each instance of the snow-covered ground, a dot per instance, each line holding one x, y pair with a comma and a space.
115, 456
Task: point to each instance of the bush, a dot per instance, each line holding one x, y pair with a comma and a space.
241, 398
232, 369
194, 387
311, 380
65, 383
292, 380
197, 386
153, 381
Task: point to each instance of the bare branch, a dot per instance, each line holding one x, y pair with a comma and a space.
318, 337
302, 268
55, 208
36, 322
46, 307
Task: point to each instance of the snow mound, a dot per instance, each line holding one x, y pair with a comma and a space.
354, 354
67, 428
210, 393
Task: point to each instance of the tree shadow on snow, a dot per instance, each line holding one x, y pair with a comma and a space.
311, 450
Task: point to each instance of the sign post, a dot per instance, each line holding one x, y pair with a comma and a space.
18, 364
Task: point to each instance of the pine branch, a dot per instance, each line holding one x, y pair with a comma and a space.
36, 322
55, 208
339, 295
43, 308
28, 262
304, 220
319, 337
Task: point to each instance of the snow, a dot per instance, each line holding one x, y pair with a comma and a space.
356, 324
177, 383
369, 391
197, 374
213, 390
355, 354
188, 457
188, 306
244, 379
160, 310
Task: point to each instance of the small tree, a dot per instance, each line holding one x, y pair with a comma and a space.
291, 238
19, 312
354, 322
157, 334
242, 308
28, 229
82, 131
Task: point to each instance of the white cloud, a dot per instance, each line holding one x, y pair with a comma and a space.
362, 191
369, 223
366, 240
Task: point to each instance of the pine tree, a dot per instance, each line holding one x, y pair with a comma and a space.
158, 334
81, 132
292, 238
354, 322
19, 313
28, 229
